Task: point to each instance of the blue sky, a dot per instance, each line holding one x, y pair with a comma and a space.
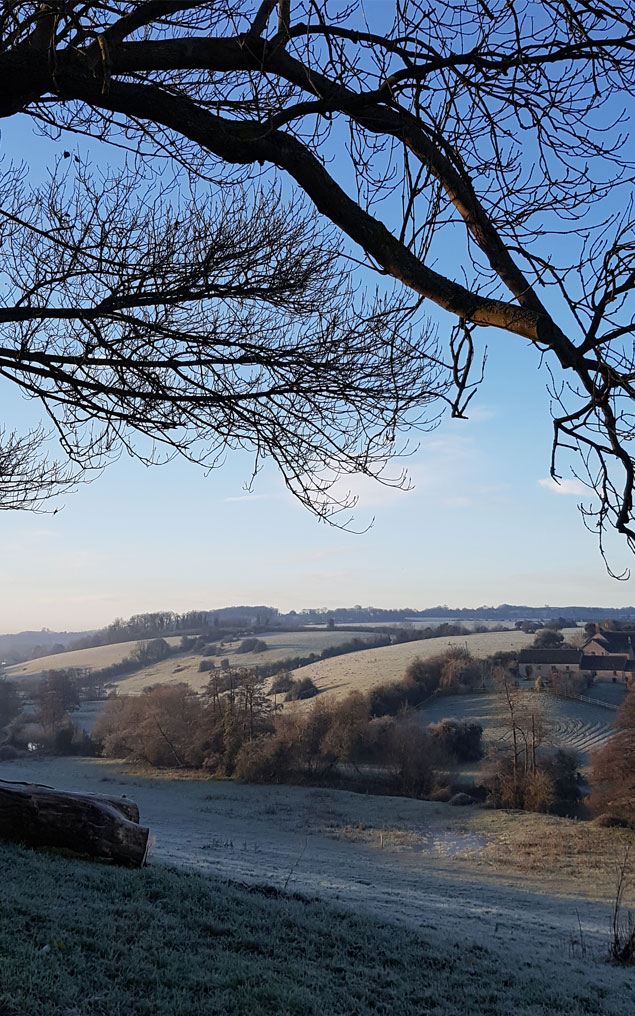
483, 523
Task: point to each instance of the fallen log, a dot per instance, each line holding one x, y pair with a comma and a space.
104, 828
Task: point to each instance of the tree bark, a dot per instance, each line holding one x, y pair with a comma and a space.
104, 828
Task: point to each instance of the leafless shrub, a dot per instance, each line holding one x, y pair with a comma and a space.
613, 767
622, 946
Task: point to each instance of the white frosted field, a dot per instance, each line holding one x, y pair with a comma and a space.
183, 667
535, 889
577, 726
95, 659
365, 670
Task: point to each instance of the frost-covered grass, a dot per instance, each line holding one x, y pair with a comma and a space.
80, 939
183, 667
365, 670
279, 647
95, 658
577, 726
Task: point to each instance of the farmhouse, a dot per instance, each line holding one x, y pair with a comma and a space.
545, 663
611, 643
607, 655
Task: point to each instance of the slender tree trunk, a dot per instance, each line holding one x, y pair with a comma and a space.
533, 743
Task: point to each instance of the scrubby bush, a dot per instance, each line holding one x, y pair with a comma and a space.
538, 791
282, 683
547, 638
461, 799
421, 679
552, 784
265, 760
151, 652
426, 675
389, 699
608, 821
460, 674
302, 688
252, 646
460, 738
441, 794
413, 756
205, 666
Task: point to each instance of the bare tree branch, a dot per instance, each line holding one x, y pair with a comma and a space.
500, 131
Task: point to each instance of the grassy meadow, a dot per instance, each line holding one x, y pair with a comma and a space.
78, 938
183, 667
365, 670
335, 677
96, 658
279, 647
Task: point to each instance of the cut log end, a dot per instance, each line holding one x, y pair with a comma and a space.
103, 828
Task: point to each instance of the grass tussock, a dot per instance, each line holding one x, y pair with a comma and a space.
79, 938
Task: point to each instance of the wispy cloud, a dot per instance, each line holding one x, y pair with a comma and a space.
246, 497
575, 487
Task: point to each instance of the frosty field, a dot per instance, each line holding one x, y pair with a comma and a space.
279, 647
99, 656
183, 667
532, 892
364, 670
576, 726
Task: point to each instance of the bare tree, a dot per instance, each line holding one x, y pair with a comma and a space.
27, 476
498, 127
613, 773
515, 778
199, 328
57, 693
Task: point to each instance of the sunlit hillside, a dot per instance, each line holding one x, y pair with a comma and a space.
364, 670
185, 667
96, 658
284, 646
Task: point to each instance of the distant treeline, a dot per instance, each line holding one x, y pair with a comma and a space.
503, 612
160, 623
144, 655
257, 619
356, 645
